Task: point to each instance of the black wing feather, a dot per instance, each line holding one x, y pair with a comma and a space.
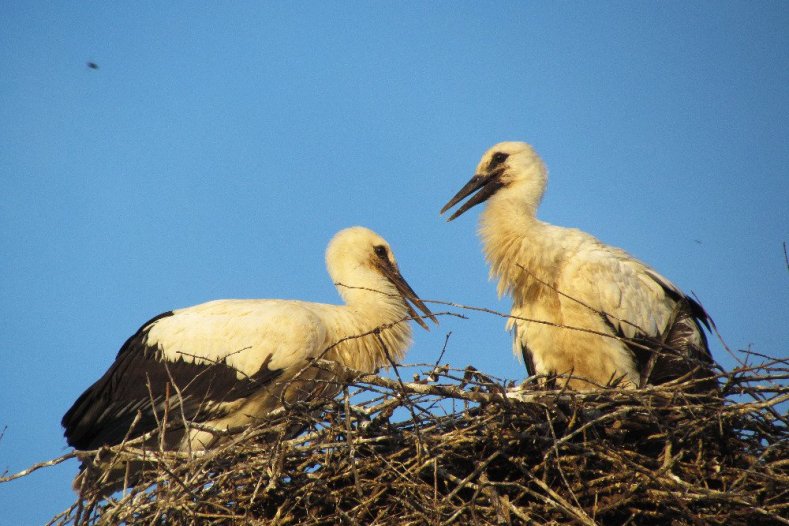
528, 359
141, 381
672, 355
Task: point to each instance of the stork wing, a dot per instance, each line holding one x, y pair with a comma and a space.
194, 364
639, 304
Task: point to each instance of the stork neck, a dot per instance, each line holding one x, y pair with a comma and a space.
376, 298
511, 210
366, 309
517, 244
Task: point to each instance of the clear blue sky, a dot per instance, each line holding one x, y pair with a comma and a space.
217, 149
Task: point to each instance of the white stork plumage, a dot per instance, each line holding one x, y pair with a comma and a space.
635, 325
228, 363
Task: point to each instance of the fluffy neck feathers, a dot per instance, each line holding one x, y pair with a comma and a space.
517, 245
371, 306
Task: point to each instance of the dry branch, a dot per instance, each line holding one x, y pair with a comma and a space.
456, 446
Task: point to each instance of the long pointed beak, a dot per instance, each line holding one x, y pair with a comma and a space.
487, 184
409, 296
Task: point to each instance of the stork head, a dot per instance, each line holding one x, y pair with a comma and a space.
509, 169
362, 264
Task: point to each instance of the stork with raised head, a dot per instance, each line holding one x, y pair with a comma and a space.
582, 310
228, 363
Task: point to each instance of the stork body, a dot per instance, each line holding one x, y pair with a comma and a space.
228, 363
581, 309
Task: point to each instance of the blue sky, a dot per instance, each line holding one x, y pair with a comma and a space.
218, 148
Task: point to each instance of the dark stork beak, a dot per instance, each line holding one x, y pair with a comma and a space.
408, 294
484, 184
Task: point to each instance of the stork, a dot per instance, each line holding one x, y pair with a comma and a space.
583, 311
228, 363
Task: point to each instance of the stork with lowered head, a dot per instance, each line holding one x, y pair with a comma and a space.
228, 363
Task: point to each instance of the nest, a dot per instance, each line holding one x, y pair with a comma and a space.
457, 446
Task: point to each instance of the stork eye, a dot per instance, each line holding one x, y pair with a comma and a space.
497, 159
381, 252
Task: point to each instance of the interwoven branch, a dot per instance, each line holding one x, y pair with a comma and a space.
456, 446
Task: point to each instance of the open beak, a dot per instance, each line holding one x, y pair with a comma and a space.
408, 295
484, 184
